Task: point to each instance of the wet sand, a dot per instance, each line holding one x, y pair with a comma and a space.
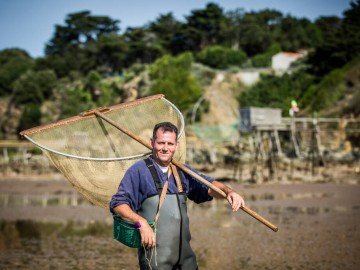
319, 228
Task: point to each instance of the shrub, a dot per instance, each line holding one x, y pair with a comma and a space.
221, 57
171, 76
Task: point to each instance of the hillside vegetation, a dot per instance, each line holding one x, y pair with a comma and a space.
89, 64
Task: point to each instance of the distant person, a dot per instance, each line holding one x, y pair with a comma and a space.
137, 199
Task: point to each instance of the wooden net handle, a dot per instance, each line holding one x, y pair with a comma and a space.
188, 171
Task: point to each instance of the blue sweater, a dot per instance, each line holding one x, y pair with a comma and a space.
138, 185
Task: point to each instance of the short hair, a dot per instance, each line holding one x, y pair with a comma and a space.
165, 126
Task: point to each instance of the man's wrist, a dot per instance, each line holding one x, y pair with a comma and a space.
141, 223
138, 224
227, 190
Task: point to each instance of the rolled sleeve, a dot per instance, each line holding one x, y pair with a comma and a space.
127, 192
198, 192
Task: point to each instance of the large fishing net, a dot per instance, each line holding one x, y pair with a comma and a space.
94, 155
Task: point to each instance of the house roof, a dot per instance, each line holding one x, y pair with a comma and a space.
291, 55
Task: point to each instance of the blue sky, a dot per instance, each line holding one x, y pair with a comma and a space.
29, 24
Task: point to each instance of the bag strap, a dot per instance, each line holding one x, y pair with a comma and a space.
162, 195
179, 181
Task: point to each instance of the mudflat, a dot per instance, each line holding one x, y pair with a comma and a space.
319, 228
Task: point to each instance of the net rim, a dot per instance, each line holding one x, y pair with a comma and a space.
80, 116
113, 158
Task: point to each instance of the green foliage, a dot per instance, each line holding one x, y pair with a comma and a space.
110, 93
328, 91
264, 60
34, 87
203, 74
30, 117
13, 63
164, 28
76, 99
145, 47
133, 71
206, 26
80, 28
85, 43
86, 52
171, 77
221, 57
297, 34
341, 43
254, 39
111, 51
277, 92
92, 81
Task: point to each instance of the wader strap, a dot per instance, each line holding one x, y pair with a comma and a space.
154, 174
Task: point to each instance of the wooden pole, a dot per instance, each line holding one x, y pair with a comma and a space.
188, 171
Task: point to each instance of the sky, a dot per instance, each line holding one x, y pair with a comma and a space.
30, 24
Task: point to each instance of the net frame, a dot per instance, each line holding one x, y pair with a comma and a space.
98, 187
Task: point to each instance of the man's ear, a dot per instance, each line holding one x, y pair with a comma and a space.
151, 143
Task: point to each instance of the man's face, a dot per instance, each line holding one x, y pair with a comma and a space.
164, 147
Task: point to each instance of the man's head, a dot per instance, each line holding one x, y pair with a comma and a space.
164, 142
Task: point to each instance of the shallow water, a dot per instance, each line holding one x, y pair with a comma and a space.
44, 200
319, 228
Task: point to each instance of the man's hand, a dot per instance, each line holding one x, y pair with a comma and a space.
146, 232
235, 200
148, 239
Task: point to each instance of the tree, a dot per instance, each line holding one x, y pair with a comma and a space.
143, 46
171, 76
255, 32
81, 28
111, 53
34, 86
207, 26
81, 44
232, 31
13, 63
221, 57
340, 47
30, 117
76, 99
164, 28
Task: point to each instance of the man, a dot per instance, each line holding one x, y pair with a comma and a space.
137, 200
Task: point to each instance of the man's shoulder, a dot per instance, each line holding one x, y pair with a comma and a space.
137, 164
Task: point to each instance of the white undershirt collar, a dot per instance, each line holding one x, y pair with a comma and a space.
163, 169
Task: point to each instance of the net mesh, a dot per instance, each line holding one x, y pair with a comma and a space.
93, 155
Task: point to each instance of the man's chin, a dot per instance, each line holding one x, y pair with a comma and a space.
165, 161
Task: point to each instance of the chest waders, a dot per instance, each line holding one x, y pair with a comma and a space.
173, 250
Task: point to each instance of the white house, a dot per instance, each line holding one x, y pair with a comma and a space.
281, 61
